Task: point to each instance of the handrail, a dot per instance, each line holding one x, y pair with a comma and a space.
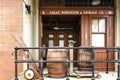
93, 61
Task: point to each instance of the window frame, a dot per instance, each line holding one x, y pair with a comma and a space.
103, 33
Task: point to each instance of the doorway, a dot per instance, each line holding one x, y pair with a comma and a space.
59, 30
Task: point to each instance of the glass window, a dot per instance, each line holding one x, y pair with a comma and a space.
61, 43
79, 3
95, 25
102, 25
98, 32
50, 43
98, 25
61, 36
50, 35
89, 3
70, 36
98, 40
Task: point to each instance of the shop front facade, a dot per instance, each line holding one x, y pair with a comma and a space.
56, 22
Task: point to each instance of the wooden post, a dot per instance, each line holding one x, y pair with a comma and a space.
71, 44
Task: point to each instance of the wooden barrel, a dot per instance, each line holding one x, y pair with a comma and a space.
57, 69
84, 55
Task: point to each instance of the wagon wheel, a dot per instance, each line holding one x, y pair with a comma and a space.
29, 74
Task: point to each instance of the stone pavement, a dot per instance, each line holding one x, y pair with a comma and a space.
101, 76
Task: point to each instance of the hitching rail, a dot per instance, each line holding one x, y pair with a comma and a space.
93, 61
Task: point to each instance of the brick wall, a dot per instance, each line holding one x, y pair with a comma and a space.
11, 20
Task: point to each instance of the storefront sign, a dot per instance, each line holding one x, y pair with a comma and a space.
75, 12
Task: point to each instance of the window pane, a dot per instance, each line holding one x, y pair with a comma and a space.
70, 36
102, 25
98, 40
95, 25
50, 35
61, 36
50, 43
61, 43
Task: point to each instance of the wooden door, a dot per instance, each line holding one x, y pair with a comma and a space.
102, 36
98, 31
59, 38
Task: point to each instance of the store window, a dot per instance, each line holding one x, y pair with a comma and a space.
77, 3
98, 32
89, 3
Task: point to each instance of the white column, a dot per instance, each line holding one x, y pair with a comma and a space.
36, 28
117, 26
28, 26
117, 22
